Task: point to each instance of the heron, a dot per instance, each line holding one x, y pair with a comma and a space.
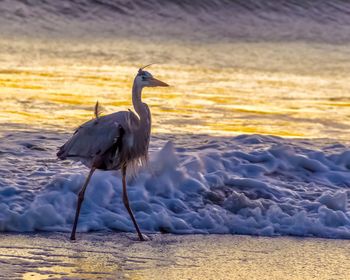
114, 142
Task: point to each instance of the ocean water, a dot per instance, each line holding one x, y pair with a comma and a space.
252, 137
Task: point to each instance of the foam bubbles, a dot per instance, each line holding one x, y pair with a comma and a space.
245, 185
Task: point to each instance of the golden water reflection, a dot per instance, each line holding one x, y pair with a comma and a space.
59, 93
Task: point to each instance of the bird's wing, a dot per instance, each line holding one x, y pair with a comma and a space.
96, 136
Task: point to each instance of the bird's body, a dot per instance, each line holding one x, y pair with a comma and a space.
114, 141
108, 142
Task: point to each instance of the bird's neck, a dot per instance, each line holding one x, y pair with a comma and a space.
141, 108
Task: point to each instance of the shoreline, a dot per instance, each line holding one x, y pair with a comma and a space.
119, 256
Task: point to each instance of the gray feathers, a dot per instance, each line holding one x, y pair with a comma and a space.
117, 140
108, 142
97, 110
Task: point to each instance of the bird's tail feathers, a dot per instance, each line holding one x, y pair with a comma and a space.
97, 110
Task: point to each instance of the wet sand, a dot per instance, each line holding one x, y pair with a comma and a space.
120, 256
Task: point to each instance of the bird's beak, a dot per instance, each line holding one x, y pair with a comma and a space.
157, 83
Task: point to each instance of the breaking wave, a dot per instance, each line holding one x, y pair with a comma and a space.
250, 184
207, 19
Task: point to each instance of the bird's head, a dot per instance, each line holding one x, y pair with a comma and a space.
146, 79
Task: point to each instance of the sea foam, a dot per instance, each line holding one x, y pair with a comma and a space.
250, 184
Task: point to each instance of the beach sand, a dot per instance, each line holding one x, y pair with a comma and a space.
121, 256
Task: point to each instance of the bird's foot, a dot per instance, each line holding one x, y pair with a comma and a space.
72, 237
144, 237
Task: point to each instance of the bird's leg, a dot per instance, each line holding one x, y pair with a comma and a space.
80, 201
127, 206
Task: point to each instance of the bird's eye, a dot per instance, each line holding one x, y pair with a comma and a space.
143, 78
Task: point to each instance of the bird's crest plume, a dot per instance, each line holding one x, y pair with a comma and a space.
140, 70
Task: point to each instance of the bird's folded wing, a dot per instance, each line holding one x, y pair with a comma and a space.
92, 138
